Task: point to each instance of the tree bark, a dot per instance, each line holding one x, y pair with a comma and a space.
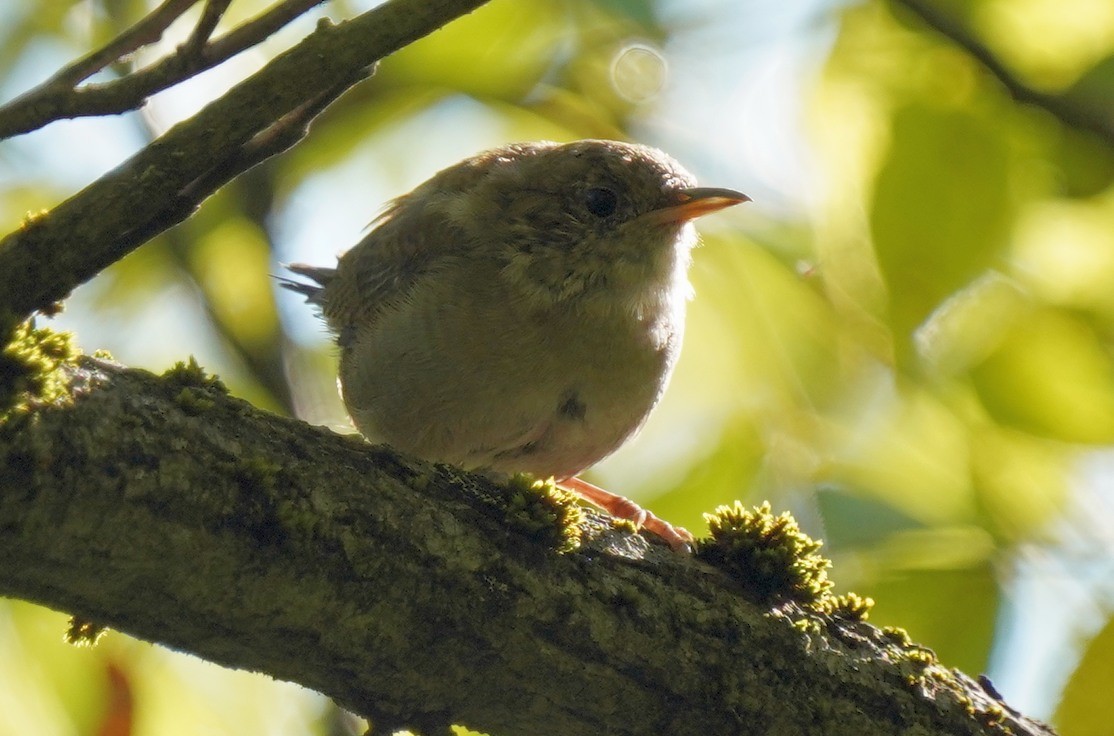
407, 591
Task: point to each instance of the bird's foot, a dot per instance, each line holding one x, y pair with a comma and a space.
621, 507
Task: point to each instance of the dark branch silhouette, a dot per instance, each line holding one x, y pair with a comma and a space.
1067, 111
59, 97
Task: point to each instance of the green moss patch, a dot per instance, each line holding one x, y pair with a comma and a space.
31, 365
769, 555
192, 376
545, 512
81, 632
849, 606
775, 561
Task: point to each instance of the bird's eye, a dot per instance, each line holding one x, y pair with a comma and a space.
601, 202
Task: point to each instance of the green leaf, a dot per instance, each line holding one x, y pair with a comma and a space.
854, 521
501, 51
952, 611
970, 324
1084, 709
941, 209
1052, 376
723, 475
910, 451
232, 263
1094, 90
1021, 480
1086, 161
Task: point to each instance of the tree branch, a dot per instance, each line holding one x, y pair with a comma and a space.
1065, 110
145, 32
214, 11
162, 184
57, 98
409, 593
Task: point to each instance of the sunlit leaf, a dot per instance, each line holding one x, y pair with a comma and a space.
783, 329
1047, 43
501, 50
1051, 376
908, 449
1021, 480
721, 476
46, 688
941, 208
939, 547
1084, 709
952, 611
970, 324
348, 125
233, 263
1064, 252
137, 277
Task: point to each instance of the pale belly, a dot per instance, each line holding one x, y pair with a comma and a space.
485, 386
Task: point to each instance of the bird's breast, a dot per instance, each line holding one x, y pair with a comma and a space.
474, 377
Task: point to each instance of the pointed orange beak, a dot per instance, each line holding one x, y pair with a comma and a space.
689, 204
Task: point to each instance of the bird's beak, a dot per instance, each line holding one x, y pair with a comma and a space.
688, 204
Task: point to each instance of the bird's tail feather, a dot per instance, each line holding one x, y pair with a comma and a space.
314, 293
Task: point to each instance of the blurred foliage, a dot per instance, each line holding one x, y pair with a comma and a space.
915, 360
1085, 707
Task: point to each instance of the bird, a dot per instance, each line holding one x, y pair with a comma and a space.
521, 311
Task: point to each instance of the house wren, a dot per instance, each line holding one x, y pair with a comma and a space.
520, 311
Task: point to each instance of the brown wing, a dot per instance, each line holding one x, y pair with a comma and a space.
409, 239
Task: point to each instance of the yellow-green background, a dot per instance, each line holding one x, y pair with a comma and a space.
906, 339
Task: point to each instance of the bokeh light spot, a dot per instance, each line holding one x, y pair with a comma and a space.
638, 72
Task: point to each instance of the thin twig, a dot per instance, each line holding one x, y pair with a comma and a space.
279, 137
48, 103
214, 11
255, 30
1065, 110
145, 32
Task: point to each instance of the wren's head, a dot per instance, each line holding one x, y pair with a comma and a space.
588, 222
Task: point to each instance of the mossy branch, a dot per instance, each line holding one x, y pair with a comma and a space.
420, 596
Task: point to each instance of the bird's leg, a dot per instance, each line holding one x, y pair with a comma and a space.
624, 508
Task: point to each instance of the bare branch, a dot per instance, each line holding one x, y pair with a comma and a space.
255, 30
162, 184
214, 11
145, 32
57, 99
1065, 110
276, 138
